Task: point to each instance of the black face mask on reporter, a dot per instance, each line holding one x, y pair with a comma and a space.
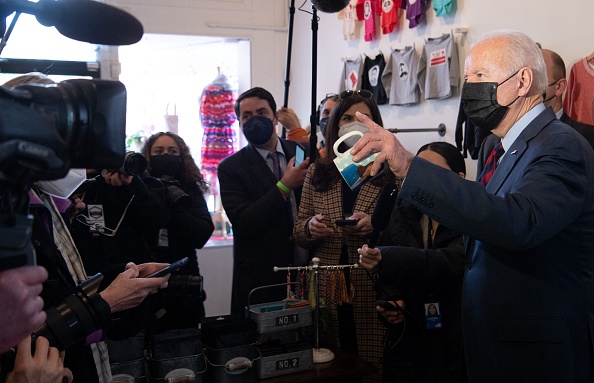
165, 165
258, 130
479, 101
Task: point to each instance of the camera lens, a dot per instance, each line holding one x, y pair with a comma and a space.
134, 164
75, 318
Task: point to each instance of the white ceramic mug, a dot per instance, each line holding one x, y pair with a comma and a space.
354, 173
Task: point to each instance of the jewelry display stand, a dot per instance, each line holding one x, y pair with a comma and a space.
320, 355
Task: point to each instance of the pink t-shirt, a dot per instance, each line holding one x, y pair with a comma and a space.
579, 97
366, 13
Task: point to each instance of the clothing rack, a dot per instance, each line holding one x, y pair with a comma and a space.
320, 355
441, 129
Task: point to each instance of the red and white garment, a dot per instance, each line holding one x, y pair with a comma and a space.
366, 10
388, 12
348, 16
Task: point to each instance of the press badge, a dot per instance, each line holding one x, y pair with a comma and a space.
433, 316
163, 238
96, 218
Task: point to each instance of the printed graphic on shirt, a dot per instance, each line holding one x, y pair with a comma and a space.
353, 79
367, 7
402, 70
438, 57
387, 5
373, 75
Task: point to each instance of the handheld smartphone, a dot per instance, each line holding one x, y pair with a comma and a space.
169, 269
346, 222
299, 155
386, 305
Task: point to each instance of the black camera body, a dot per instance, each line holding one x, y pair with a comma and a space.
44, 131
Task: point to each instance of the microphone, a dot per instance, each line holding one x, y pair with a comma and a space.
330, 6
85, 20
382, 212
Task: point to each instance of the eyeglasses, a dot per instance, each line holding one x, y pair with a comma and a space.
96, 227
364, 93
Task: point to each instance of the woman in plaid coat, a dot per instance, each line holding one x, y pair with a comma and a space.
349, 296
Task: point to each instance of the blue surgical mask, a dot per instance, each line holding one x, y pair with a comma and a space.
258, 130
323, 123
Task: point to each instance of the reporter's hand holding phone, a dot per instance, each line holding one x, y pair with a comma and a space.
393, 315
129, 289
363, 227
295, 174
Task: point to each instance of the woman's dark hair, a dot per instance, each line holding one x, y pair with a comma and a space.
190, 171
449, 152
326, 172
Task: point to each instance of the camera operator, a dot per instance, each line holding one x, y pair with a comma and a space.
121, 216
189, 227
56, 251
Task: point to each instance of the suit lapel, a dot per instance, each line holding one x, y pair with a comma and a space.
519, 146
259, 168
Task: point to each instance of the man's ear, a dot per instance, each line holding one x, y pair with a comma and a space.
526, 79
561, 87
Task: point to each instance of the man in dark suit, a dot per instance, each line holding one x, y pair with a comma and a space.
260, 204
528, 294
553, 97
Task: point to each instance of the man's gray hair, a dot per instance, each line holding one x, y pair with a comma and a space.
521, 51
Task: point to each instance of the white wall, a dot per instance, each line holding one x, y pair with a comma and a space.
562, 27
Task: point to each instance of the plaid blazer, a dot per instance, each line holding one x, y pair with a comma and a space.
369, 330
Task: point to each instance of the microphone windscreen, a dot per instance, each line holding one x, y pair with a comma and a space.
90, 21
330, 6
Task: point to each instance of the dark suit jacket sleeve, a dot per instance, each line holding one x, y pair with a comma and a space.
548, 193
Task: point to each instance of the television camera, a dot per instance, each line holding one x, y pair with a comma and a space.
47, 129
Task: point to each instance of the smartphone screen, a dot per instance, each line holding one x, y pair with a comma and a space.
299, 155
169, 269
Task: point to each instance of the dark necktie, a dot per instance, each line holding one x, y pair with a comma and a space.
492, 163
276, 169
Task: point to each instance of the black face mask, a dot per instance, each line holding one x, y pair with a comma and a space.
165, 165
258, 130
544, 94
479, 101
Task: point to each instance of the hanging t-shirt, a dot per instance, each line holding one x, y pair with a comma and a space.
579, 97
348, 16
415, 12
371, 78
351, 74
366, 12
442, 7
439, 69
388, 11
400, 77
